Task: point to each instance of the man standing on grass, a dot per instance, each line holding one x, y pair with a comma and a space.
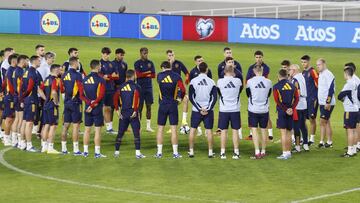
349, 97
258, 90
128, 97
172, 91
94, 91
74, 90
73, 52
326, 98
311, 80
203, 96
145, 72
286, 97
229, 88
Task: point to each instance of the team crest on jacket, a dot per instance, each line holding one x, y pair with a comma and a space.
176, 65
122, 66
149, 65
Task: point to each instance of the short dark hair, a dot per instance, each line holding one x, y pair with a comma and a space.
73, 59
119, 51
258, 52
143, 49
39, 46
94, 63
11, 57
227, 49
49, 55
197, 57
130, 73
53, 66
285, 63
349, 70
8, 49
106, 50
22, 57
228, 58
2, 53
71, 50
169, 51
283, 73
351, 64
306, 58
33, 58
258, 68
203, 67
166, 65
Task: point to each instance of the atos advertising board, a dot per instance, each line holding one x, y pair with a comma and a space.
201, 28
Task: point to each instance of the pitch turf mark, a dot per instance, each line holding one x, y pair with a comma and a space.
165, 196
327, 195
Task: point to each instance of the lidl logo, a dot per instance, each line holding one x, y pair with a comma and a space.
99, 24
50, 23
150, 27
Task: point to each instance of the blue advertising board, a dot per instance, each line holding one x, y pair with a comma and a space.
50, 22
100, 25
150, 27
294, 32
10, 21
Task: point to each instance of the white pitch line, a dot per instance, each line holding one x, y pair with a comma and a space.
327, 195
167, 196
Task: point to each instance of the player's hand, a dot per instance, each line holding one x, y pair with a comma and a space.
106, 77
114, 75
289, 111
1, 94
327, 107
203, 112
179, 100
89, 109
133, 115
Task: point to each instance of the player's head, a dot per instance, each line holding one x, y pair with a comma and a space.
227, 52
282, 74
258, 70
1, 54
285, 64
348, 72
130, 75
12, 59
170, 55
8, 51
165, 65
22, 61
198, 59
203, 67
144, 53
259, 55
95, 65
105, 53
40, 50
74, 62
50, 57
229, 70
305, 61
35, 61
351, 64
321, 64
119, 54
55, 69
73, 52
293, 69
229, 61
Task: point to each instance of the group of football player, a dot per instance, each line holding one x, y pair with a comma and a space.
32, 88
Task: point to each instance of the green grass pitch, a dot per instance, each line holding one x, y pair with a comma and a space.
187, 180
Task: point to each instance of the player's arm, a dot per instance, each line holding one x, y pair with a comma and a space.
186, 73
269, 94
29, 88
136, 99
116, 100
277, 96
331, 92
181, 86
54, 88
192, 96
213, 98
242, 83
100, 96
345, 92
248, 92
40, 90
295, 103
81, 92
315, 76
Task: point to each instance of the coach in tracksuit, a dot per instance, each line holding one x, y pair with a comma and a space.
298, 80
229, 89
203, 96
128, 97
172, 91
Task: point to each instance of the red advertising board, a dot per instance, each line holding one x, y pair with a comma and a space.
205, 28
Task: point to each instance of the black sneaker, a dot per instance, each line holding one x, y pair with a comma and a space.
357, 149
310, 143
294, 150
321, 145
211, 156
346, 155
190, 155
271, 137
328, 145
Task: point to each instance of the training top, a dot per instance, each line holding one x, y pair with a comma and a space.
127, 96
178, 67
258, 89
349, 96
311, 81
250, 73
195, 72
229, 89
326, 88
145, 71
357, 81
202, 93
299, 81
74, 89
121, 68
222, 65
171, 87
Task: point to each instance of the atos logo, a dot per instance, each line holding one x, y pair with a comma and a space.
315, 34
150, 27
356, 37
255, 31
50, 23
205, 27
99, 24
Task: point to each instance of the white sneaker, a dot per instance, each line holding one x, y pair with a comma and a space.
149, 129
236, 156
199, 131
240, 135
53, 151
222, 156
306, 147
44, 149
7, 142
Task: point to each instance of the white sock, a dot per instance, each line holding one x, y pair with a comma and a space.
236, 151
184, 117
211, 153
137, 152
270, 131
97, 149
329, 142
297, 147
148, 122
28, 145
14, 138
321, 142
86, 148
358, 145
288, 153
117, 153
18, 137
263, 151
109, 126
42, 143
293, 137
250, 133
312, 138
350, 150
191, 151
159, 148
257, 151
23, 144
222, 151
354, 149
175, 149
7, 138
49, 146
63, 146
240, 134
76, 146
